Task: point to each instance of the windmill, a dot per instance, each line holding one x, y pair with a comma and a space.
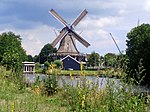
68, 35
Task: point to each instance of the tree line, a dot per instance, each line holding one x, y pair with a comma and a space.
12, 54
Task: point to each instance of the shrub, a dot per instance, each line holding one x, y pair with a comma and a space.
50, 85
58, 64
46, 64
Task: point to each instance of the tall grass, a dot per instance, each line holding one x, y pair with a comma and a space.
85, 96
88, 96
29, 99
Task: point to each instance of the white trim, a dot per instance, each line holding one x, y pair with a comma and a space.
29, 64
25, 62
71, 58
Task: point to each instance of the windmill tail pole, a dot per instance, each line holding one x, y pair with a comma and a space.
115, 43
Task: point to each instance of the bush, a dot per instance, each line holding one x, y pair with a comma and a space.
58, 64
46, 64
50, 85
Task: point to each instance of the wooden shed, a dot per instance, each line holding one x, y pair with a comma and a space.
28, 67
70, 63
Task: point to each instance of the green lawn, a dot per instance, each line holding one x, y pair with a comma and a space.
78, 72
111, 72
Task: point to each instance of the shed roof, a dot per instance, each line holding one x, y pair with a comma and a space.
70, 57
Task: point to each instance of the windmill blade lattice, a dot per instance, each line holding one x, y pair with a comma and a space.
59, 37
80, 39
80, 17
67, 35
58, 17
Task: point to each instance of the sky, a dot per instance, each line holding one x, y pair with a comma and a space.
36, 26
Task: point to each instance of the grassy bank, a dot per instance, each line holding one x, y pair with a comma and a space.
110, 72
86, 96
12, 100
17, 97
78, 72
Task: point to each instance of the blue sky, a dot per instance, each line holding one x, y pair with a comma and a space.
32, 21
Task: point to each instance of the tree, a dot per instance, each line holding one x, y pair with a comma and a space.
11, 59
110, 59
138, 47
30, 58
11, 52
45, 52
93, 59
36, 58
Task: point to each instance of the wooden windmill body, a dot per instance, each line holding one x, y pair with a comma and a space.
68, 36
67, 46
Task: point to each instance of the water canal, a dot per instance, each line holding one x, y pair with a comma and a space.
100, 81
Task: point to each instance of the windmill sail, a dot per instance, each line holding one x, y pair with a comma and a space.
80, 17
80, 39
67, 35
59, 37
58, 17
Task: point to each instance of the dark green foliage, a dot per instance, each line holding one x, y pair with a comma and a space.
45, 54
138, 44
46, 64
50, 85
93, 59
58, 63
36, 58
110, 59
37, 66
11, 52
30, 58
45, 68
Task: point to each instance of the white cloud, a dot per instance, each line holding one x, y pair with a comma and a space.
34, 39
105, 16
147, 5
94, 27
122, 12
97, 22
96, 32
